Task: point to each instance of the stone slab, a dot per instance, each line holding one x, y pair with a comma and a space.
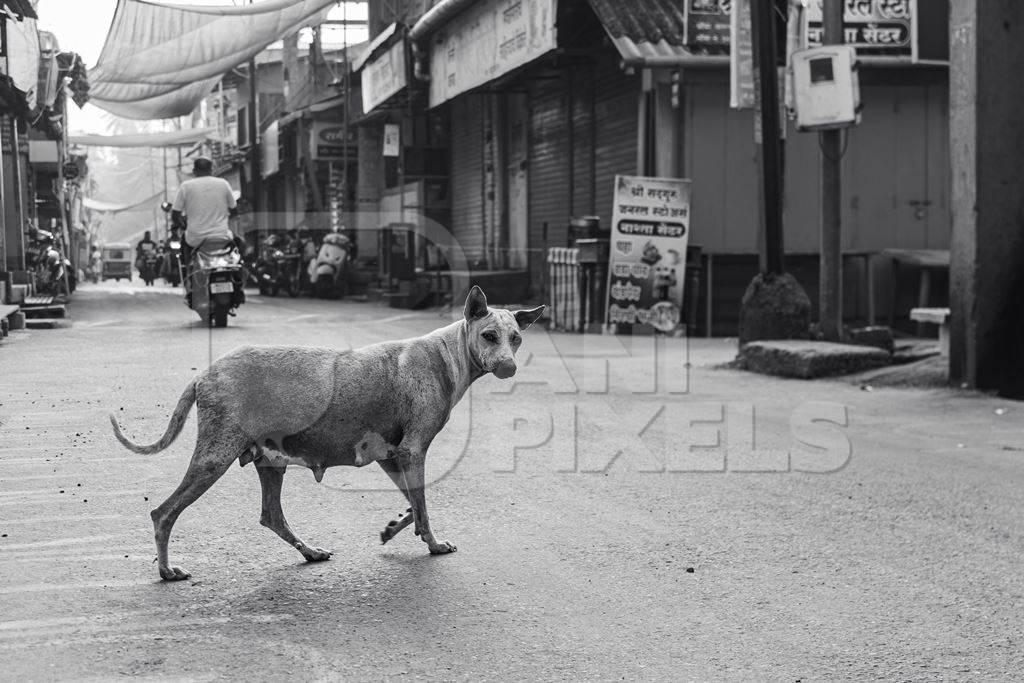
809, 359
938, 316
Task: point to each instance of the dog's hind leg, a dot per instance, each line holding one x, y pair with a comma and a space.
404, 519
272, 516
212, 458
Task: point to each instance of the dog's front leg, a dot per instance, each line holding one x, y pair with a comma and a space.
412, 473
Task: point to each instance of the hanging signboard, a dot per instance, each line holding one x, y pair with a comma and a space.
383, 77
488, 40
647, 261
707, 25
875, 27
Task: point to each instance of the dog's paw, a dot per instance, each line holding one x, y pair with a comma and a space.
316, 554
442, 548
174, 574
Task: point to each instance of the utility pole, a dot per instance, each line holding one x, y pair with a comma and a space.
256, 181
766, 77
830, 297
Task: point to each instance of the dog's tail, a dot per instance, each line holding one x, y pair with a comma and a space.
173, 429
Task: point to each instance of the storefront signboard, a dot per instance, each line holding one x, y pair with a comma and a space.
707, 25
875, 27
486, 41
328, 142
647, 256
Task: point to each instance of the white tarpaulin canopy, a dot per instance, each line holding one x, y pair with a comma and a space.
174, 138
111, 207
160, 60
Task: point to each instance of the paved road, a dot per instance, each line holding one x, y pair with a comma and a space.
580, 502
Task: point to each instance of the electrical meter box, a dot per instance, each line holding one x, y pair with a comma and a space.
826, 87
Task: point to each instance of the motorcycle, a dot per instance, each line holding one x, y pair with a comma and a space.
150, 266
278, 269
328, 272
54, 274
172, 263
214, 285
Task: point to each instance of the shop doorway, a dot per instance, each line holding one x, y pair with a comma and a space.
514, 237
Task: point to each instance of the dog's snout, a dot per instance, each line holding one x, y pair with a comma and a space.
505, 369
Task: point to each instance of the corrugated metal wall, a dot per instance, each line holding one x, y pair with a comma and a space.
549, 169
466, 174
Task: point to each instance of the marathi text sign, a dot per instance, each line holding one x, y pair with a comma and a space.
707, 25
741, 57
647, 261
487, 40
383, 77
329, 141
874, 27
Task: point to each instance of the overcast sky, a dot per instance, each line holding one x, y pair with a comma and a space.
81, 26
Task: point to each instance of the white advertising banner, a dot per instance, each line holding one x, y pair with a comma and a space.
384, 77
486, 41
647, 259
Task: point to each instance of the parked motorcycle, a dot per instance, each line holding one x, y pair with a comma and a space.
54, 274
214, 285
278, 269
328, 272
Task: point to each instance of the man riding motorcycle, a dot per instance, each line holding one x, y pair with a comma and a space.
204, 207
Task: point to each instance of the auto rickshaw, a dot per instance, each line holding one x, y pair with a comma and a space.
117, 260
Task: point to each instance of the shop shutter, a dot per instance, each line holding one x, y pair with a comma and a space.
549, 191
615, 114
584, 154
467, 174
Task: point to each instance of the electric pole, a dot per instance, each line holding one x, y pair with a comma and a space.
256, 182
830, 297
766, 79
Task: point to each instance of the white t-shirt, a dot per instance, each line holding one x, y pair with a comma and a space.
205, 202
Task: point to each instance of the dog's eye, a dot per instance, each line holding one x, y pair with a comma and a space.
515, 339
490, 336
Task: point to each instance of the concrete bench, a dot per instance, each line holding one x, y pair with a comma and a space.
937, 316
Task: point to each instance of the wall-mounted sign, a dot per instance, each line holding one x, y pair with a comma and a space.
271, 150
392, 139
487, 40
874, 27
707, 25
647, 258
328, 141
741, 57
384, 77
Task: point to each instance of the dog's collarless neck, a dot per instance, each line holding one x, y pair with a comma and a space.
477, 370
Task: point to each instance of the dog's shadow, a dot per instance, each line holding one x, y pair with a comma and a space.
411, 583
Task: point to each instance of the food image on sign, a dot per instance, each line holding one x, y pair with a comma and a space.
650, 231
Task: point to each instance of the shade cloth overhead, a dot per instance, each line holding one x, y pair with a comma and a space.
174, 138
159, 61
111, 207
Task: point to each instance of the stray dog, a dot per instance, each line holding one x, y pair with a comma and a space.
320, 407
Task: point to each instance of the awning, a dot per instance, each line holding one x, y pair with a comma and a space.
315, 108
378, 42
649, 33
176, 138
22, 8
159, 61
22, 52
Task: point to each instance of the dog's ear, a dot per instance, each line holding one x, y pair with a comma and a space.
476, 304
527, 318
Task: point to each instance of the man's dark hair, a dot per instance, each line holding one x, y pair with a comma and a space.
202, 166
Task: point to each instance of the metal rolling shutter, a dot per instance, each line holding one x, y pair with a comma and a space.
549, 171
467, 174
615, 114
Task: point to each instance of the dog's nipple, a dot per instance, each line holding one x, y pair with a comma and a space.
318, 473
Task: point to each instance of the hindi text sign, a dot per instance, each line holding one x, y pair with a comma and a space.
647, 261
